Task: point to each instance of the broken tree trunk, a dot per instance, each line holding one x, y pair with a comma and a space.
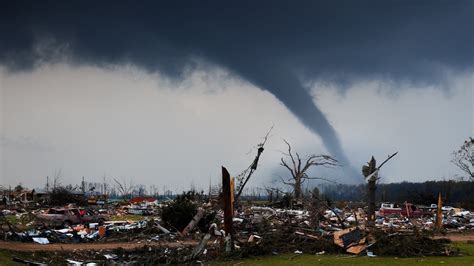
199, 249
227, 196
370, 171
371, 195
164, 230
439, 213
193, 222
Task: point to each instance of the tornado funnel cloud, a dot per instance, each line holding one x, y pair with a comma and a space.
289, 90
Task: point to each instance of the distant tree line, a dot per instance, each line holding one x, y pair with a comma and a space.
454, 193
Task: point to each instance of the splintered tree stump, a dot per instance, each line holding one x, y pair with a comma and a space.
227, 197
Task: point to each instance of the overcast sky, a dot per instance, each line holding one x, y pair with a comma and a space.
165, 95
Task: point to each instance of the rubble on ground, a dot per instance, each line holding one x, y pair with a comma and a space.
259, 230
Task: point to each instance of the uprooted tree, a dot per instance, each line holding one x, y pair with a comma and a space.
463, 158
299, 168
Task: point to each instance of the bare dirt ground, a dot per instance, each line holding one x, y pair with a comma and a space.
458, 237
18, 246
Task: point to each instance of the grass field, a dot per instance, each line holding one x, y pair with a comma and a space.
346, 260
306, 259
6, 258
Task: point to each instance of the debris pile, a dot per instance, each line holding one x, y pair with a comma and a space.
258, 230
410, 245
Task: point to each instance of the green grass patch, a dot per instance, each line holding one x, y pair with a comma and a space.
466, 249
306, 259
6, 258
467, 258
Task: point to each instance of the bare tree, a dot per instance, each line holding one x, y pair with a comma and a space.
274, 194
57, 178
123, 188
104, 185
153, 190
464, 157
299, 167
140, 190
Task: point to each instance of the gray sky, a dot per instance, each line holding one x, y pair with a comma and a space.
124, 122
165, 93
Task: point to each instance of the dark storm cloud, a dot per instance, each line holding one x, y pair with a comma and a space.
272, 44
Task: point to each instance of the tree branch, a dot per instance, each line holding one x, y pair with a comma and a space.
291, 155
283, 163
286, 183
321, 178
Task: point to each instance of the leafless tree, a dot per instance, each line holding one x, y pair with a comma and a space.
299, 167
153, 190
270, 193
123, 188
274, 194
463, 158
57, 179
104, 185
140, 190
